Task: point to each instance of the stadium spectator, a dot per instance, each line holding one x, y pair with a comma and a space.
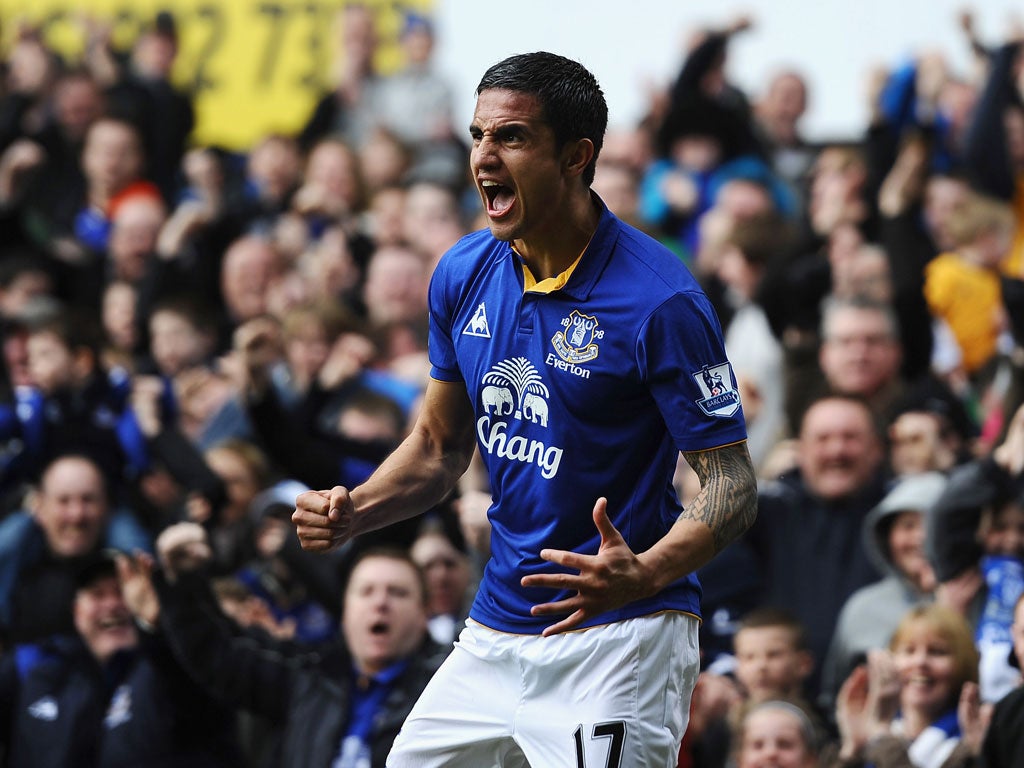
41, 549
345, 703
807, 537
109, 693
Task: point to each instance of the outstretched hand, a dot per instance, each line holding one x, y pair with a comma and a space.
608, 580
324, 520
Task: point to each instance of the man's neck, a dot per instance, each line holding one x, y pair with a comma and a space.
551, 255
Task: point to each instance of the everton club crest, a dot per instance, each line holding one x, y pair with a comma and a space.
575, 343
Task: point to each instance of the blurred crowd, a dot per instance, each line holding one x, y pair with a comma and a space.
192, 336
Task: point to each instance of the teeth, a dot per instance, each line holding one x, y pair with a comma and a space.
489, 183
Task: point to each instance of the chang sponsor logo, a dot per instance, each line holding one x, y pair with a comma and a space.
494, 439
513, 389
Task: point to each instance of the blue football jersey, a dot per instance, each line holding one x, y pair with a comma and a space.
588, 389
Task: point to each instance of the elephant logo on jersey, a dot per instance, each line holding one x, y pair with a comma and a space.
720, 395
575, 343
514, 388
498, 398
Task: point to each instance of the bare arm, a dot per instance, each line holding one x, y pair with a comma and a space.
723, 509
727, 501
419, 474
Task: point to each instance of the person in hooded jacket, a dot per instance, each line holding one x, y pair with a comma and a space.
894, 537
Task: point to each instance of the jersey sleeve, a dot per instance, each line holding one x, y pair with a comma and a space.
440, 345
681, 357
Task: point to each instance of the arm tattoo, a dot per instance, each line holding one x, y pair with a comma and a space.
727, 503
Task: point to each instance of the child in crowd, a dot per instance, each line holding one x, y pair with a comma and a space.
772, 657
776, 734
963, 290
772, 661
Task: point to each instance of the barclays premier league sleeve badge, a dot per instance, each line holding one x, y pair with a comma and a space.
719, 389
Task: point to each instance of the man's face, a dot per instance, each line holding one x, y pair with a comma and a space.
247, 273
396, 286
78, 102
175, 342
72, 507
102, 618
859, 355
516, 166
50, 362
838, 450
384, 616
133, 236
112, 157
446, 570
119, 315
917, 444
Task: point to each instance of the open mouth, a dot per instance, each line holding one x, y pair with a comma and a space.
114, 623
499, 197
379, 628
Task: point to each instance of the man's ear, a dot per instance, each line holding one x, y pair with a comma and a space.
576, 156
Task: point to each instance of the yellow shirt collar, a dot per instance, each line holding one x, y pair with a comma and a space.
548, 284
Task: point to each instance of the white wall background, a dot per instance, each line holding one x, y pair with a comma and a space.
633, 45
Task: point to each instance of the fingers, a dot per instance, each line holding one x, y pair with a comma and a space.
604, 524
566, 624
313, 502
321, 519
569, 605
340, 503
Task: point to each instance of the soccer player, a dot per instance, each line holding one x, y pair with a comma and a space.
580, 356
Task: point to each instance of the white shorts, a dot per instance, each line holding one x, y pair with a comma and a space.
617, 695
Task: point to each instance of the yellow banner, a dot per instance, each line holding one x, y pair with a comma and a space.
253, 66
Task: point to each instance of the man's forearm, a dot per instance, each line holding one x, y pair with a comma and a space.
724, 508
415, 477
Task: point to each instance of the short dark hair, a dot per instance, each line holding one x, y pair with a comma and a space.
571, 100
777, 618
388, 552
75, 327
